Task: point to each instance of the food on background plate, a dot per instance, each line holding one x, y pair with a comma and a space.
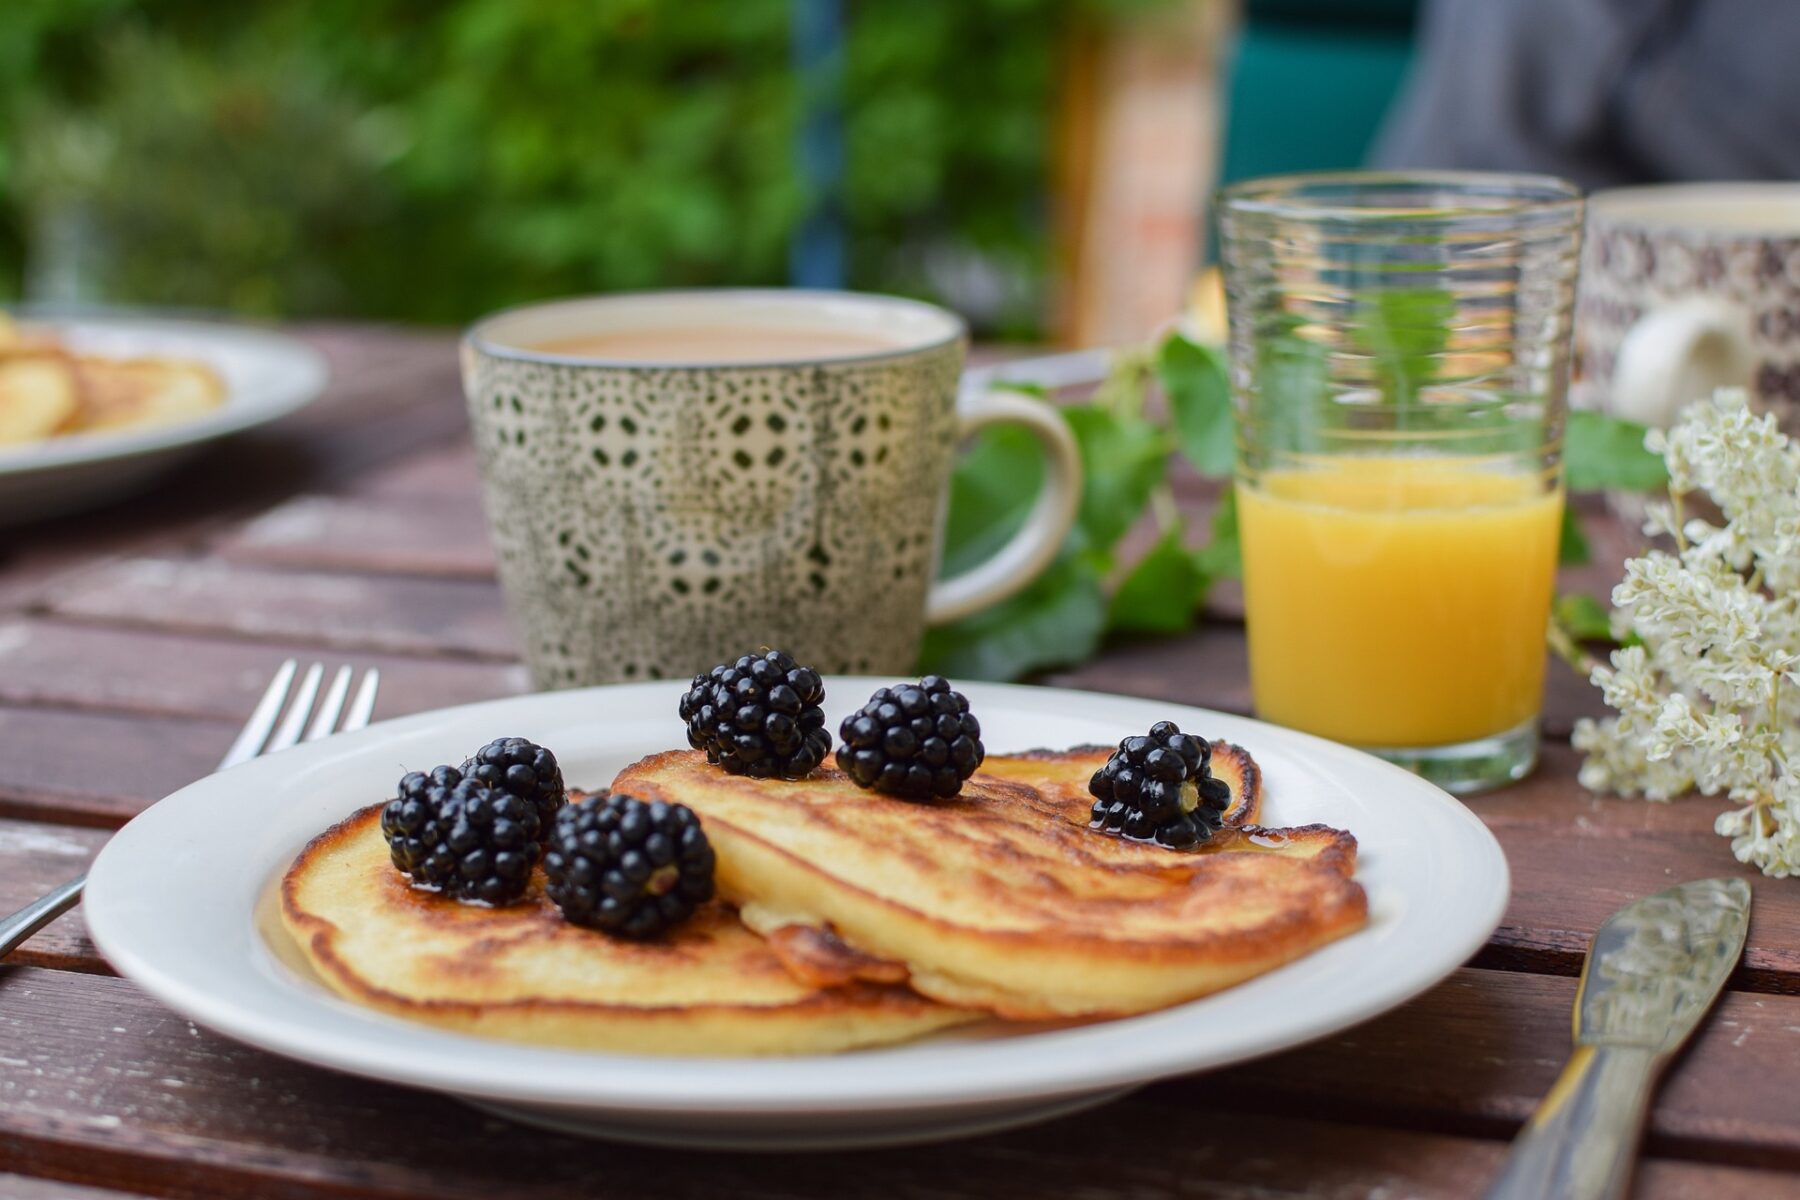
919, 885
47, 389
38, 398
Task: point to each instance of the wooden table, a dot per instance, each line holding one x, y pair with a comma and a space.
134, 641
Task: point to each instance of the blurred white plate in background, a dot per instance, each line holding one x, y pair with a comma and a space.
266, 376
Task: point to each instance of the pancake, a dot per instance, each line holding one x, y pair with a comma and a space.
522, 973
1002, 898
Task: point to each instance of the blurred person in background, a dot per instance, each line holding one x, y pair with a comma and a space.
1603, 92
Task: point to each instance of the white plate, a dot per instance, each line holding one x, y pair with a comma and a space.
266, 376
173, 900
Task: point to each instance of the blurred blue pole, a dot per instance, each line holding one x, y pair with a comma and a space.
816, 255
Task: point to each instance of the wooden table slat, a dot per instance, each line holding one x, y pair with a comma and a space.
446, 472
100, 769
437, 535
1477, 1053
100, 1083
33, 859
391, 614
51, 663
19, 1187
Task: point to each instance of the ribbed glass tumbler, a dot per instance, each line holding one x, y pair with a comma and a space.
1400, 364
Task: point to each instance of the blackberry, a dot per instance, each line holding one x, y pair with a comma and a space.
758, 716
623, 866
461, 837
525, 769
1159, 789
914, 740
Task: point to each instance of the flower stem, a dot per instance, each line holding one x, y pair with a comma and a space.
1563, 643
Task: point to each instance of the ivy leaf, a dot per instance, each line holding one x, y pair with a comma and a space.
1161, 592
1198, 385
1058, 619
1404, 330
1122, 460
1583, 617
1602, 452
1222, 558
1572, 550
991, 492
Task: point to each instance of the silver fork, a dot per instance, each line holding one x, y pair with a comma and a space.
261, 735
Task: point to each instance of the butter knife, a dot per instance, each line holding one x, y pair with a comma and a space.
1654, 969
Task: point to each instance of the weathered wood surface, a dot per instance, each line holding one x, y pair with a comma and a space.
34, 858
111, 1088
133, 641
155, 672
20, 1187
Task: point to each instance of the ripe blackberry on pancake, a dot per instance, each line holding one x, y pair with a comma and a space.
1158, 788
913, 740
626, 867
759, 716
461, 837
527, 770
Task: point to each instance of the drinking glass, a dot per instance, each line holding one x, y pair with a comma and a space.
1400, 363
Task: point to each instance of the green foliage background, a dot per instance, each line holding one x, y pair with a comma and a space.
426, 160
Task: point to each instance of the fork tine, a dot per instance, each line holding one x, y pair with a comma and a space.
363, 706
256, 729
330, 706
288, 732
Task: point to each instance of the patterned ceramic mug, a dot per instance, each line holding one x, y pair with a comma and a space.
1686, 288
674, 478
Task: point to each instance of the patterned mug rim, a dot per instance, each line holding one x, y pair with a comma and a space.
478, 336
1694, 209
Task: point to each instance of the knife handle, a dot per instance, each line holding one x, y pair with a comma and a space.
1582, 1141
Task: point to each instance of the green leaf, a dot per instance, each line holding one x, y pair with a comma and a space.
991, 492
1222, 558
1058, 619
1290, 397
1602, 452
1198, 385
1028, 389
1573, 550
1404, 330
1161, 592
1122, 460
1583, 617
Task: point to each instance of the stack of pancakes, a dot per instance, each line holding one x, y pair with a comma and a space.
846, 918
47, 390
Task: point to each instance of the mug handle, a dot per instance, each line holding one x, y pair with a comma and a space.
1036, 543
1680, 353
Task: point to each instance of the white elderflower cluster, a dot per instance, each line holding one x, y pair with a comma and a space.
1705, 688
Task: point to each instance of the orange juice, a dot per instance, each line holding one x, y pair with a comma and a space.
1398, 602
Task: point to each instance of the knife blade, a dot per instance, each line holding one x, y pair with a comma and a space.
1654, 969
